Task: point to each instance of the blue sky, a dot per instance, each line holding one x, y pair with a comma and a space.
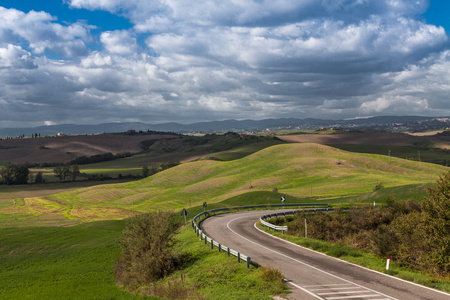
102, 19
90, 61
438, 13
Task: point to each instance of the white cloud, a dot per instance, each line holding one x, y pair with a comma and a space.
119, 42
41, 33
15, 57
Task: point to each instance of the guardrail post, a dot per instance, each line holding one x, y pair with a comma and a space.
248, 262
206, 240
228, 250
239, 257
212, 244
220, 247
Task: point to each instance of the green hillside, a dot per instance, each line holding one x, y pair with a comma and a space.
297, 170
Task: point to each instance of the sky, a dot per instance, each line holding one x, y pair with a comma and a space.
156, 61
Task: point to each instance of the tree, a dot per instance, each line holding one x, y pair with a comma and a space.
74, 172
14, 174
7, 174
61, 172
145, 171
436, 209
21, 174
146, 253
39, 178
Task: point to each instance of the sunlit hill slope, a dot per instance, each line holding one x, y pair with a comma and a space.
300, 170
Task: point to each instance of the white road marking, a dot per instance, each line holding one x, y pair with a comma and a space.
303, 263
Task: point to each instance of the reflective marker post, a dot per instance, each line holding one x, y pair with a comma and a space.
184, 213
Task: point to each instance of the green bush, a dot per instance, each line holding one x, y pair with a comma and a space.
146, 252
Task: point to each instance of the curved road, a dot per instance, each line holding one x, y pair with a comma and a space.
311, 275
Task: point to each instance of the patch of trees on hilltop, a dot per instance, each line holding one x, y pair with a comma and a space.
83, 160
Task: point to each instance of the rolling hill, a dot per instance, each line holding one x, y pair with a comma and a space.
300, 170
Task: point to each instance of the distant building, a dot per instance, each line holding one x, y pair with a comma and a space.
61, 134
131, 131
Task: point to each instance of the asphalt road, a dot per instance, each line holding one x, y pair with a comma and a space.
310, 275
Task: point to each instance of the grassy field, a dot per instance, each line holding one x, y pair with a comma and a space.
60, 263
77, 263
311, 171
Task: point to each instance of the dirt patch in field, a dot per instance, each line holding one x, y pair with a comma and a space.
66, 148
368, 138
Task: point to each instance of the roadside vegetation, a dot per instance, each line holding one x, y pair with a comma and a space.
415, 235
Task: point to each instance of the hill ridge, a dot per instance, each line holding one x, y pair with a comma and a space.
300, 170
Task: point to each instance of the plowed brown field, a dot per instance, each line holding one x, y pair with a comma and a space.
65, 148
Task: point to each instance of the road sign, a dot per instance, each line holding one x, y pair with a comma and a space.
184, 212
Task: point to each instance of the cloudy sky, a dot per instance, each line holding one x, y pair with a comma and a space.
96, 61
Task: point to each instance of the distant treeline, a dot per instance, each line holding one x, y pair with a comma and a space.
149, 132
83, 160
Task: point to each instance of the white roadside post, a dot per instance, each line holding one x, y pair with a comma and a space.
282, 201
306, 230
184, 213
387, 262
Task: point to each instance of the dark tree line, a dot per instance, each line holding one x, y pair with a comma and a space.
14, 174
82, 160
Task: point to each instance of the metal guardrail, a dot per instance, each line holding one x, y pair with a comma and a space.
200, 232
283, 229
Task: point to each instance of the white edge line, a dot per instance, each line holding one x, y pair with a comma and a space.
378, 272
301, 262
303, 289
